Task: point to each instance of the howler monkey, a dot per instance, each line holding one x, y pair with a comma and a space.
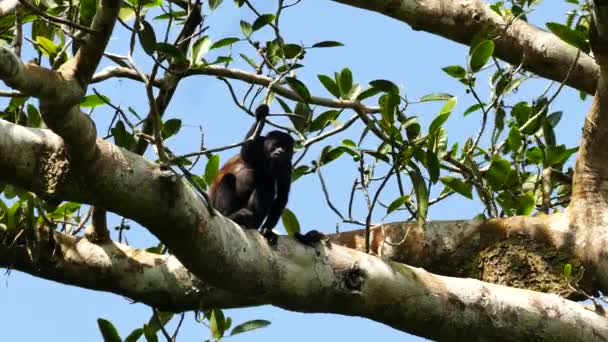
252, 188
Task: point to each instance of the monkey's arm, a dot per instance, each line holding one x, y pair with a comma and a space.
252, 147
260, 115
283, 186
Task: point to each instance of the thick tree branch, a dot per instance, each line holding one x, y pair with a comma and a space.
33, 80
488, 249
516, 41
327, 278
156, 280
83, 65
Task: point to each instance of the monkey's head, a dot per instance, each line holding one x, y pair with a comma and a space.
278, 149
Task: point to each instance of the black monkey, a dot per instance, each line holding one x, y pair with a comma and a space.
252, 188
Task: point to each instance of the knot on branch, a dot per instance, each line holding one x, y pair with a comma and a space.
9, 64
55, 166
354, 278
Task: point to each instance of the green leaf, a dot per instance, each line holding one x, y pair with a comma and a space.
432, 165
262, 21
200, 49
460, 187
436, 97
34, 119
170, 128
246, 28
368, 93
122, 138
48, 47
473, 109
329, 84
108, 331
557, 155
290, 222
150, 333
249, 61
135, 334
212, 168
385, 86
292, 50
554, 118
217, 323
214, 4
345, 81
575, 38
302, 120
514, 139
169, 50
87, 11
397, 203
567, 271
480, 54
65, 210
525, 204
147, 37
127, 14
224, 42
299, 172
299, 88
323, 120
94, 100
422, 195
498, 172
249, 325
389, 103
329, 154
327, 43
534, 155
455, 71
444, 114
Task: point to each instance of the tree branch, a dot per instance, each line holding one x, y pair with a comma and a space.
153, 279
327, 278
516, 42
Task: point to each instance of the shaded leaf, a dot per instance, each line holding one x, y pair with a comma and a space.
212, 168
214, 4
480, 54
326, 44
345, 81
436, 97
422, 195
246, 28
290, 222
329, 84
299, 88
525, 204
249, 325
200, 49
262, 21
323, 120
397, 203
108, 331
147, 37
455, 71
170, 128
460, 187
92, 101
224, 42
385, 86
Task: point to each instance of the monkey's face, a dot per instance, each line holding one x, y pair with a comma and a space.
278, 148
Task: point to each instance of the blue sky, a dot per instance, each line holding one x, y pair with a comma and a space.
376, 47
